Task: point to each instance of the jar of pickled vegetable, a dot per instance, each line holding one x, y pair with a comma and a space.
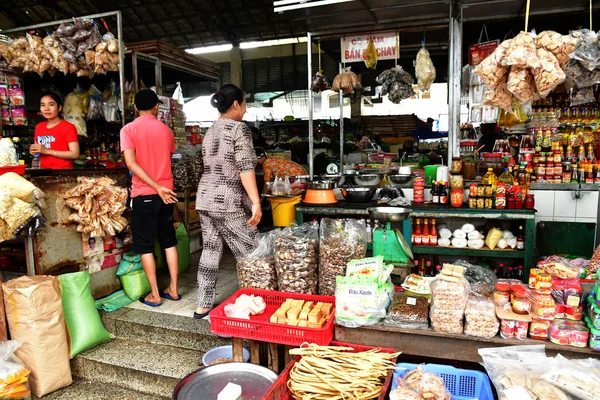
456, 182
456, 165
469, 169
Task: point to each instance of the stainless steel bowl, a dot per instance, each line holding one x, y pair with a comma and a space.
366, 180
338, 180
358, 195
392, 214
398, 180
319, 185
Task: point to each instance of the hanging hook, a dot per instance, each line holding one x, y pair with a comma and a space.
424, 42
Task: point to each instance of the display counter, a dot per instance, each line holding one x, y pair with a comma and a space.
59, 248
446, 346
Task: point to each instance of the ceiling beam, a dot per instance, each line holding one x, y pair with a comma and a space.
366, 7
223, 26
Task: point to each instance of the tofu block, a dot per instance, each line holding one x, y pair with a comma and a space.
304, 314
273, 318
281, 321
294, 313
327, 308
230, 392
315, 315
288, 302
457, 274
319, 305
292, 322
303, 323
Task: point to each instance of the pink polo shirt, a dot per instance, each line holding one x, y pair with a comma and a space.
153, 143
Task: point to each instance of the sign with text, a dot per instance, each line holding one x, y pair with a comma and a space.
479, 52
354, 47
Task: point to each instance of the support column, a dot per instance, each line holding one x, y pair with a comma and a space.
236, 66
454, 77
311, 145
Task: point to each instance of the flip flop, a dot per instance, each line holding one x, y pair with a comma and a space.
167, 296
200, 316
149, 303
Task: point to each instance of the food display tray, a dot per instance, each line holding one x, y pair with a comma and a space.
17, 169
259, 328
463, 384
279, 390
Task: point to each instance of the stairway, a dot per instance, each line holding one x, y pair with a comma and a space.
150, 354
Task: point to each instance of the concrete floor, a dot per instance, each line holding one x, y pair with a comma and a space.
226, 285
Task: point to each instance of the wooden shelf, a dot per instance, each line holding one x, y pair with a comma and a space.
455, 251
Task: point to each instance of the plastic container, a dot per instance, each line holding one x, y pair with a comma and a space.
520, 301
284, 210
572, 333
222, 352
259, 328
280, 391
463, 384
431, 173
502, 293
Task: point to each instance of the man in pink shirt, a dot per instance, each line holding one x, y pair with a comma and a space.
147, 145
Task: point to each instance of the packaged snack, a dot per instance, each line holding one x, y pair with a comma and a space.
3, 94
543, 284
297, 258
449, 298
533, 272
576, 378
522, 52
594, 339
5, 115
408, 311
361, 301
544, 307
502, 293
417, 284
560, 267
520, 300
480, 317
257, 270
15, 95
539, 329
558, 294
572, 333
18, 116
513, 329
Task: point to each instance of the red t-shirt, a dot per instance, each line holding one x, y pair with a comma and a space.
56, 138
153, 143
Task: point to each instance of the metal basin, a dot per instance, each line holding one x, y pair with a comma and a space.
338, 180
392, 214
367, 180
320, 185
398, 180
358, 195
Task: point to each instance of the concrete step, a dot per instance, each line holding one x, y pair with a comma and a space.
161, 328
143, 367
82, 390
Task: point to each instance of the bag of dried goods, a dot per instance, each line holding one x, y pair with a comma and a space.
257, 270
490, 69
449, 297
14, 377
342, 240
562, 46
521, 84
419, 384
576, 379
493, 237
587, 50
19, 187
595, 261
396, 83
521, 52
482, 280
83, 321
582, 96
297, 258
549, 75
408, 311
15, 212
35, 317
75, 111
559, 267
424, 70
361, 301
580, 77
480, 317
319, 83
347, 81
8, 156
370, 55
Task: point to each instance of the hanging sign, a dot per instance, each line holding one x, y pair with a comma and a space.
354, 47
479, 52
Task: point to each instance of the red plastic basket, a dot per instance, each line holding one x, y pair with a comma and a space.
280, 391
17, 169
259, 327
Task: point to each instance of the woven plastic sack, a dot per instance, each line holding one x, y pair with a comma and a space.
183, 249
35, 317
83, 321
131, 262
135, 284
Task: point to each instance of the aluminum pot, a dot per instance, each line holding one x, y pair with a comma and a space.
366, 180
398, 180
358, 195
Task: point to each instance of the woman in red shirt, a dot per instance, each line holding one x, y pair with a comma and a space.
55, 141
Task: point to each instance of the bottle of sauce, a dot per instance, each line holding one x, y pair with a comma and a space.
428, 269
510, 273
443, 193
589, 172
581, 171
520, 273
418, 233
567, 172
575, 173
524, 180
520, 239
425, 233
597, 173
435, 195
433, 236
501, 272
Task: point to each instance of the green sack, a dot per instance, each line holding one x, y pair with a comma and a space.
183, 249
130, 262
83, 321
135, 284
113, 302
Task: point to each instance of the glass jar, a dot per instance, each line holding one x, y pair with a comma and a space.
469, 169
472, 202
502, 293
456, 198
520, 302
492, 160
543, 283
529, 202
456, 182
456, 166
473, 190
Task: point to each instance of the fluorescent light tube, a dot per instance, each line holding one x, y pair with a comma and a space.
210, 49
305, 4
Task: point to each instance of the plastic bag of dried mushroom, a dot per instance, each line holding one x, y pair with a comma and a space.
297, 258
342, 240
257, 270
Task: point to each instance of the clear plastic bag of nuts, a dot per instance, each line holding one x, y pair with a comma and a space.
342, 240
257, 270
297, 258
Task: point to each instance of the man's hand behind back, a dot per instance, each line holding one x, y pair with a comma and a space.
167, 195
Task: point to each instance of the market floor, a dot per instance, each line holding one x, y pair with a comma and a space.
226, 285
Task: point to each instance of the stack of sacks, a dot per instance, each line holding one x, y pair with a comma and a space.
445, 235
508, 240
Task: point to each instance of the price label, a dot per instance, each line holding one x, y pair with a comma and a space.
412, 301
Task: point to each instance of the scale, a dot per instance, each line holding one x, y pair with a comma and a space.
388, 242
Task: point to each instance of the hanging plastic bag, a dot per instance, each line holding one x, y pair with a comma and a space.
562, 46
424, 70
75, 110
13, 375
110, 104
347, 81
370, 55
257, 270
522, 52
582, 96
491, 69
521, 84
513, 117
549, 75
587, 50
178, 94
95, 108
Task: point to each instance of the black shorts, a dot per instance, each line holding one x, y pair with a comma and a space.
151, 217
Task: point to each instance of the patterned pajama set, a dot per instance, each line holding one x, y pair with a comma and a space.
222, 201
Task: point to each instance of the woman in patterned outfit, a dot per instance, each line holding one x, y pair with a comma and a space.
227, 191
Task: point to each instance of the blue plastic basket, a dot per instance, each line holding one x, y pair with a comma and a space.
463, 384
